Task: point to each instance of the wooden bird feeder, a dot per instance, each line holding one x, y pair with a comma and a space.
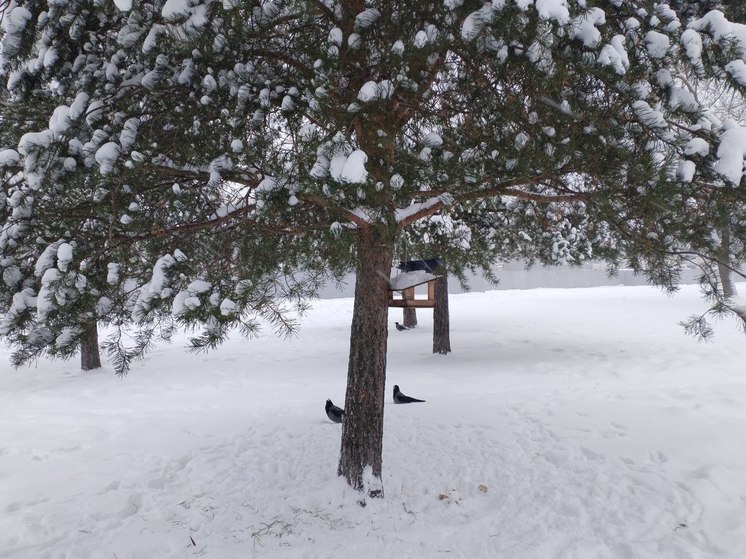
416, 272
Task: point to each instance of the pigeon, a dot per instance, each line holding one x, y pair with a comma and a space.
400, 327
400, 398
333, 412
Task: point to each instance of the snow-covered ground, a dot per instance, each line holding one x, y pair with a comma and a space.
579, 423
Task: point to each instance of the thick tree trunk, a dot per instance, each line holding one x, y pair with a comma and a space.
410, 318
90, 358
441, 317
362, 429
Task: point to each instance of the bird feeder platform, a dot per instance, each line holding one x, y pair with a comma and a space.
406, 283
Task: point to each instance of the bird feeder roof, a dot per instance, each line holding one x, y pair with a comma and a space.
405, 280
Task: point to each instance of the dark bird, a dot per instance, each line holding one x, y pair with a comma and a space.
400, 327
400, 398
333, 412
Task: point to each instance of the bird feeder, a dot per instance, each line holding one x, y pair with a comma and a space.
413, 274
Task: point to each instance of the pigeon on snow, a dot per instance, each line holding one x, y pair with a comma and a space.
333, 412
400, 398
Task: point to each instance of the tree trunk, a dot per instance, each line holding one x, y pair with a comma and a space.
362, 428
441, 317
90, 358
726, 278
409, 320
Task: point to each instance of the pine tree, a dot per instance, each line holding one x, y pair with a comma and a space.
105, 183
311, 136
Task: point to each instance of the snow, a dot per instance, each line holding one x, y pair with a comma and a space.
64, 256
178, 307
353, 170
657, 44
106, 156
60, 121
159, 280
697, 146
128, 135
95, 112
584, 27
405, 280
228, 307
78, 106
369, 92
9, 157
472, 26
566, 423
123, 5
354, 41
287, 103
175, 9
414, 207
33, 141
45, 301
737, 69
13, 24
199, 286
46, 259
615, 55
648, 115
420, 39
112, 275
432, 140
366, 18
721, 29
692, 42
686, 170
731, 154
553, 9
104, 306
67, 337
335, 36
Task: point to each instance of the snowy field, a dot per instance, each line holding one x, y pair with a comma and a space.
578, 423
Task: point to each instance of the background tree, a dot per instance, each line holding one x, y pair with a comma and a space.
409, 318
441, 316
336, 127
95, 220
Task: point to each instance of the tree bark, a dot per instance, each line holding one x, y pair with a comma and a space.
726, 279
441, 317
362, 428
90, 358
409, 320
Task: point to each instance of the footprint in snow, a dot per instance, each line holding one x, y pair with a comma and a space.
108, 488
590, 454
658, 457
